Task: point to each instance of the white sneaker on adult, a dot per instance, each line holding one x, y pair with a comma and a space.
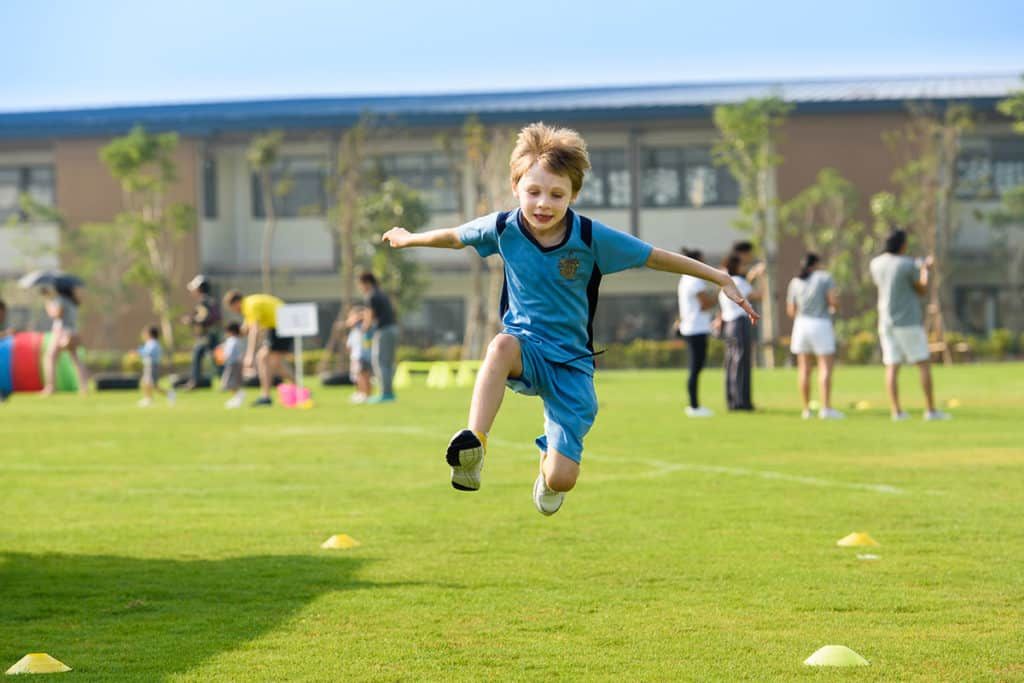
465, 455
236, 400
358, 398
936, 415
700, 411
546, 501
900, 417
807, 414
172, 397
830, 414
145, 402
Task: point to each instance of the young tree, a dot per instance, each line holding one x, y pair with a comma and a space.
1008, 219
824, 217
263, 154
399, 275
485, 165
150, 225
748, 135
928, 146
344, 187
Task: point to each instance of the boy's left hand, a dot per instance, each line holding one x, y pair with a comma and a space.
396, 237
733, 293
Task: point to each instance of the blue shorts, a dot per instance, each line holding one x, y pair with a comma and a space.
570, 404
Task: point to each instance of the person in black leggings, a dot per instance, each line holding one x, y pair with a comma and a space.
696, 299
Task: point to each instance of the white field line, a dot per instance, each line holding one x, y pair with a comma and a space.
655, 468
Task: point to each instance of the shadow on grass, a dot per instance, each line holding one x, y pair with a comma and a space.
139, 619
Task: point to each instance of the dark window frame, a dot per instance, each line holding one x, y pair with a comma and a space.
443, 197
283, 205
603, 165
27, 175
687, 158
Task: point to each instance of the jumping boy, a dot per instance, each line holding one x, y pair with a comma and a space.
554, 261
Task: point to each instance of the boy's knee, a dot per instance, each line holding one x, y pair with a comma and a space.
504, 346
560, 472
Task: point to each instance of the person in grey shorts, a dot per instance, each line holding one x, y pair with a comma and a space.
810, 300
231, 379
901, 283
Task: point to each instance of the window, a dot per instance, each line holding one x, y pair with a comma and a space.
35, 181
210, 189
303, 178
987, 168
607, 183
685, 176
429, 173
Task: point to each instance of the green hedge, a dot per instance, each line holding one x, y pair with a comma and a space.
859, 349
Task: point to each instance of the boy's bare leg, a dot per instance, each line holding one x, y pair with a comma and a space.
465, 452
503, 360
558, 475
560, 471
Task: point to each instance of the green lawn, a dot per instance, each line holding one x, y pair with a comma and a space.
183, 543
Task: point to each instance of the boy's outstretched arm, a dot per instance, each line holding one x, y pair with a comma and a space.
683, 265
445, 238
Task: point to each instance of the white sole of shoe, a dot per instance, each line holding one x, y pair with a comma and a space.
547, 504
465, 455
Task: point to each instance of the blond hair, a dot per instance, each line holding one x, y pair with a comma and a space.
561, 151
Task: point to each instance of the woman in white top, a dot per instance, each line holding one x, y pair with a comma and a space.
810, 300
695, 303
737, 332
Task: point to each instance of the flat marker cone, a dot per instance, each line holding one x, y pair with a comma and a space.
856, 540
835, 655
38, 663
340, 541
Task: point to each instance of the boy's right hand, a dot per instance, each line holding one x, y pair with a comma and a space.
397, 237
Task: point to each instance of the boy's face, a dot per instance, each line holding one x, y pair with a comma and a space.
544, 197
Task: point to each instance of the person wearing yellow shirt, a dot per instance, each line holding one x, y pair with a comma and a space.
259, 313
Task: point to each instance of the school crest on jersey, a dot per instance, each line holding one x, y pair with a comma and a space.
569, 265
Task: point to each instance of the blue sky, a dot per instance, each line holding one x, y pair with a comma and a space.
69, 53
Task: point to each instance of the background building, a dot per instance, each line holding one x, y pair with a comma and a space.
652, 176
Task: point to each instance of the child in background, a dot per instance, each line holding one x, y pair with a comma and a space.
359, 344
231, 380
150, 352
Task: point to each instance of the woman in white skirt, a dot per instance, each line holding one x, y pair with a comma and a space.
810, 301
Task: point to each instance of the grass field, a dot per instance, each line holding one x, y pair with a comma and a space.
183, 543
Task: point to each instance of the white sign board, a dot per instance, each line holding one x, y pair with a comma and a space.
297, 320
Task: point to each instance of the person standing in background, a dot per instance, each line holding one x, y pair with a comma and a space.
205, 323
380, 320
62, 306
737, 331
901, 283
695, 303
810, 300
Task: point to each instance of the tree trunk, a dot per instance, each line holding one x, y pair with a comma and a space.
496, 285
268, 229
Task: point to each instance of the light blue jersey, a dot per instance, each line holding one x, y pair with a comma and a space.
150, 352
550, 294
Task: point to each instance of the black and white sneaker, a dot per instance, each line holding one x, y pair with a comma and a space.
465, 455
